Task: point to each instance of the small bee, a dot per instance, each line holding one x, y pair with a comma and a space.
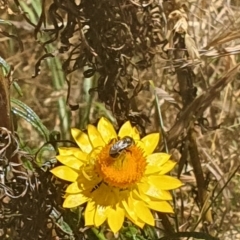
122, 144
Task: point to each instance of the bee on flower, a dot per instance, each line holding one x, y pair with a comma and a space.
117, 175
121, 145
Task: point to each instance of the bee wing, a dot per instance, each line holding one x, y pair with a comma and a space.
118, 146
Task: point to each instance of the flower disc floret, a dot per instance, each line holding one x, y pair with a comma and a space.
123, 171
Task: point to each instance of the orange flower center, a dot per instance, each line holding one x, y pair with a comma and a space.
124, 170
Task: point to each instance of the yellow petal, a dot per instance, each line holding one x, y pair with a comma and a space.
73, 188
125, 130
95, 137
135, 134
115, 219
153, 192
89, 214
104, 195
152, 169
67, 150
70, 161
159, 163
86, 184
157, 159
106, 130
164, 182
82, 140
150, 142
129, 211
81, 155
140, 209
65, 173
131, 214
100, 215
160, 206
138, 195
144, 213
74, 200
136, 221
167, 167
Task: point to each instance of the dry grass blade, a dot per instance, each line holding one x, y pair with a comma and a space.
5, 109
199, 105
231, 175
216, 53
218, 174
191, 47
164, 95
224, 38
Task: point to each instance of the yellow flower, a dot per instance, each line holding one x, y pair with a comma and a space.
129, 183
